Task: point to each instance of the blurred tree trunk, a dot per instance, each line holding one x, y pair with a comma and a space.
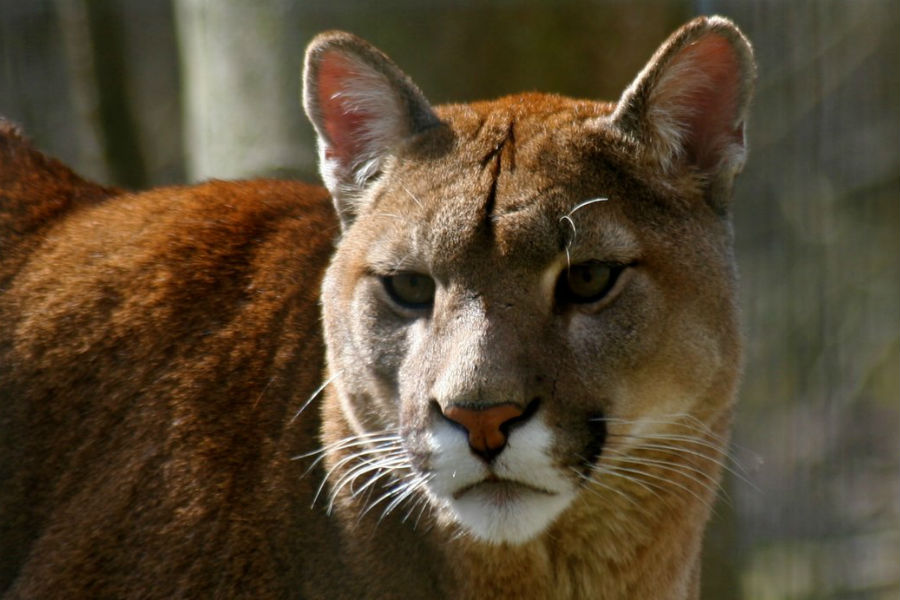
118, 81
82, 74
98, 84
241, 65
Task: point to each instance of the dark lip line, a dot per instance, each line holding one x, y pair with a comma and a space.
461, 492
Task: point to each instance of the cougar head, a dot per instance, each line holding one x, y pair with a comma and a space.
532, 304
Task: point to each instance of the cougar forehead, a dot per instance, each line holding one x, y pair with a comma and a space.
501, 178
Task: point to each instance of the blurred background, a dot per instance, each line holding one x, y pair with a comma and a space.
149, 92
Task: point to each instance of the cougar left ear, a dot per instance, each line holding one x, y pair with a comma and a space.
689, 105
362, 107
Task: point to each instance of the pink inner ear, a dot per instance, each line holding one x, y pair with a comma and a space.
344, 123
712, 107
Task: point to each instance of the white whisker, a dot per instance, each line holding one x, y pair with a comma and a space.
605, 486
665, 480
709, 440
422, 503
364, 462
379, 468
411, 195
401, 488
389, 215
349, 442
665, 465
720, 462
568, 219
378, 465
685, 420
627, 475
410, 489
357, 455
318, 391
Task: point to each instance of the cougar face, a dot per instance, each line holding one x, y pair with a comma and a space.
516, 304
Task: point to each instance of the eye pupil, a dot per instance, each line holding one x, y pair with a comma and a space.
586, 282
412, 290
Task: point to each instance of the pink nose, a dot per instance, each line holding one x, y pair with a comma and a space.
485, 426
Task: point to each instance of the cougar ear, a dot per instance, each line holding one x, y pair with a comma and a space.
362, 106
688, 106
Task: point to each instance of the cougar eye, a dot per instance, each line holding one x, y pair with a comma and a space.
410, 290
586, 282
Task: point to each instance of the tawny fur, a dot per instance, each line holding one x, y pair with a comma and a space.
168, 379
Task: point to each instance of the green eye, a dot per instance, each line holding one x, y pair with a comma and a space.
410, 290
586, 282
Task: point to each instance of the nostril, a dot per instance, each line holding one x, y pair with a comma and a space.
522, 418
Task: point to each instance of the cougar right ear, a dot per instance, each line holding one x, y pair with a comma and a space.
689, 105
362, 106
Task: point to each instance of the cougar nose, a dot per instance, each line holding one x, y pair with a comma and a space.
488, 426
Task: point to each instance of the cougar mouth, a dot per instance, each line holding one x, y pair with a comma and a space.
499, 510
499, 490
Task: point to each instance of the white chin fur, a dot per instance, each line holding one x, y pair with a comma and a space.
530, 495
508, 516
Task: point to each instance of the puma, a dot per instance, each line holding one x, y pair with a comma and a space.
519, 383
